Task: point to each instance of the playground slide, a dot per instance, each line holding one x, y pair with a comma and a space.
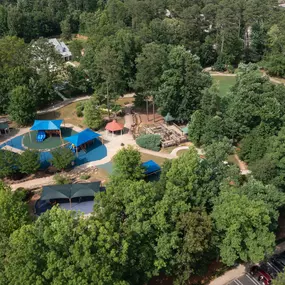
72, 149
41, 136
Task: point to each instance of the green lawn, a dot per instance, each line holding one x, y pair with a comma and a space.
225, 83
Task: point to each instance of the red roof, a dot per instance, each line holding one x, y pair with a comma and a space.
114, 126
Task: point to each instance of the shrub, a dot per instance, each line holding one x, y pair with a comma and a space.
151, 142
9, 163
29, 161
62, 158
79, 109
85, 176
61, 180
27, 193
219, 64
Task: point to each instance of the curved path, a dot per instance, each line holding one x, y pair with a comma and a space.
175, 151
62, 104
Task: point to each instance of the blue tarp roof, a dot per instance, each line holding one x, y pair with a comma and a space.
82, 137
151, 167
43, 125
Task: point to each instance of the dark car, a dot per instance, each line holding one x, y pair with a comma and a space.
263, 277
270, 269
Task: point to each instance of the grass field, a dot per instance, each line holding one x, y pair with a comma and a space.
225, 83
67, 113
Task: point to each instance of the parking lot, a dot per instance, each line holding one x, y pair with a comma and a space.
245, 280
272, 266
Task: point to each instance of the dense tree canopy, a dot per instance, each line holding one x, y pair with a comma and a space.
243, 227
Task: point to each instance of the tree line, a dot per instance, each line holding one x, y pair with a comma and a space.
142, 46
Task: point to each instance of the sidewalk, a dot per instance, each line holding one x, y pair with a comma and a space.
240, 270
229, 276
62, 104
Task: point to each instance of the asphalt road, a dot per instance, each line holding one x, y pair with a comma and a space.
245, 280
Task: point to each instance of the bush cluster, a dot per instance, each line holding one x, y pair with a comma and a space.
11, 163
151, 142
79, 109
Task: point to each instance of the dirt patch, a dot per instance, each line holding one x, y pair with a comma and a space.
101, 175
159, 160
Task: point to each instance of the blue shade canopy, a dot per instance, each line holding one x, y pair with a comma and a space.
82, 137
151, 167
44, 125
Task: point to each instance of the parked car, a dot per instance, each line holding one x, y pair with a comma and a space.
263, 277
270, 269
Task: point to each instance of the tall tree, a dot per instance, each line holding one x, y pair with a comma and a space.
93, 113
128, 164
22, 106
13, 215
182, 84
108, 79
150, 63
243, 225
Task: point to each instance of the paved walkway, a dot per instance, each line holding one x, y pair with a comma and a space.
62, 104
19, 133
128, 121
229, 276
13, 149
35, 183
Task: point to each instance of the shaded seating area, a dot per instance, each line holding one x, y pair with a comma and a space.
151, 167
168, 118
69, 196
46, 128
185, 130
81, 140
114, 126
4, 127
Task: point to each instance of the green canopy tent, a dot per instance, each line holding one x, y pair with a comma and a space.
185, 130
70, 191
168, 118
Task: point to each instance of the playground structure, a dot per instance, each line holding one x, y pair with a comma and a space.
41, 135
170, 135
82, 140
46, 128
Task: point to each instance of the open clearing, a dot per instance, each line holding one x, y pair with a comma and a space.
225, 83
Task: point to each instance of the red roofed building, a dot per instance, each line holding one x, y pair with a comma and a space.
114, 126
